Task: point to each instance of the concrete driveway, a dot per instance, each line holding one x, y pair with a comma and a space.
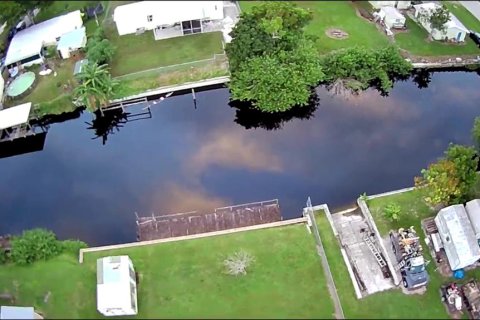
473, 7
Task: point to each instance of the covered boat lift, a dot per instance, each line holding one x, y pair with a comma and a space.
14, 123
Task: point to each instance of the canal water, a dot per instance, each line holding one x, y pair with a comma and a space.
183, 159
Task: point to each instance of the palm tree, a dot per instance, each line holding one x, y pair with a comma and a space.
96, 87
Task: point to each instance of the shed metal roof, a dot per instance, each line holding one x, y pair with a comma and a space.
15, 115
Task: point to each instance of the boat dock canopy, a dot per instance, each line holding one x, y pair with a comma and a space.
14, 116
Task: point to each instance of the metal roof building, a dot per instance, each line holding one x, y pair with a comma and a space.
458, 237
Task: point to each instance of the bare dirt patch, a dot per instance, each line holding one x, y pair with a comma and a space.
336, 34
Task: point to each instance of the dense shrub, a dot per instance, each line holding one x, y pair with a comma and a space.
392, 211
99, 49
366, 66
33, 245
72, 246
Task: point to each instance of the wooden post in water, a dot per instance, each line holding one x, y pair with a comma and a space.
194, 99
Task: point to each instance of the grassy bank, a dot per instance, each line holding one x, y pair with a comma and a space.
186, 279
392, 304
336, 14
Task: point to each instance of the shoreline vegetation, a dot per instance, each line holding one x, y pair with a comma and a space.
176, 61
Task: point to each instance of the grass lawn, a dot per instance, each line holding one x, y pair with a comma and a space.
142, 52
186, 279
415, 42
183, 74
392, 304
342, 15
337, 14
71, 287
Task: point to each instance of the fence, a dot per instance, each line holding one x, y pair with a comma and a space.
218, 61
309, 214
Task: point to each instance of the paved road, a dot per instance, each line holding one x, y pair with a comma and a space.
473, 7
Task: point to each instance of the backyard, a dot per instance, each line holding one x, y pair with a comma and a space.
343, 15
186, 279
52, 94
391, 304
173, 61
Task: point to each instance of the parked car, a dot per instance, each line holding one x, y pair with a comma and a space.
475, 36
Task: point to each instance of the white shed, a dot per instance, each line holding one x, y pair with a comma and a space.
116, 286
454, 29
26, 46
392, 17
457, 236
473, 212
148, 15
72, 41
393, 4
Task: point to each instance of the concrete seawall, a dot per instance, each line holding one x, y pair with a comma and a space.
191, 237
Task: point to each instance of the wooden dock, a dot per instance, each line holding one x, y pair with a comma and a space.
183, 224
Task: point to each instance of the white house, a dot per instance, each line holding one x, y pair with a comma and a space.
178, 17
116, 286
71, 42
454, 29
26, 46
392, 17
457, 236
393, 4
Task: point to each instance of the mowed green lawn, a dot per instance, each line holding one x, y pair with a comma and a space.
186, 279
340, 15
415, 41
142, 52
391, 304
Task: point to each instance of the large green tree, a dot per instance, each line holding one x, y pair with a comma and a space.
96, 87
440, 182
439, 17
11, 11
476, 133
276, 82
466, 162
272, 63
99, 49
269, 27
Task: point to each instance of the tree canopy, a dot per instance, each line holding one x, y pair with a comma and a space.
450, 180
437, 18
366, 65
11, 11
272, 63
96, 86
99, 49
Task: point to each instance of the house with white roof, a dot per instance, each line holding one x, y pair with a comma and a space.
454, 29
392, 17
116, 286
26, 46
458, 237
169, 19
